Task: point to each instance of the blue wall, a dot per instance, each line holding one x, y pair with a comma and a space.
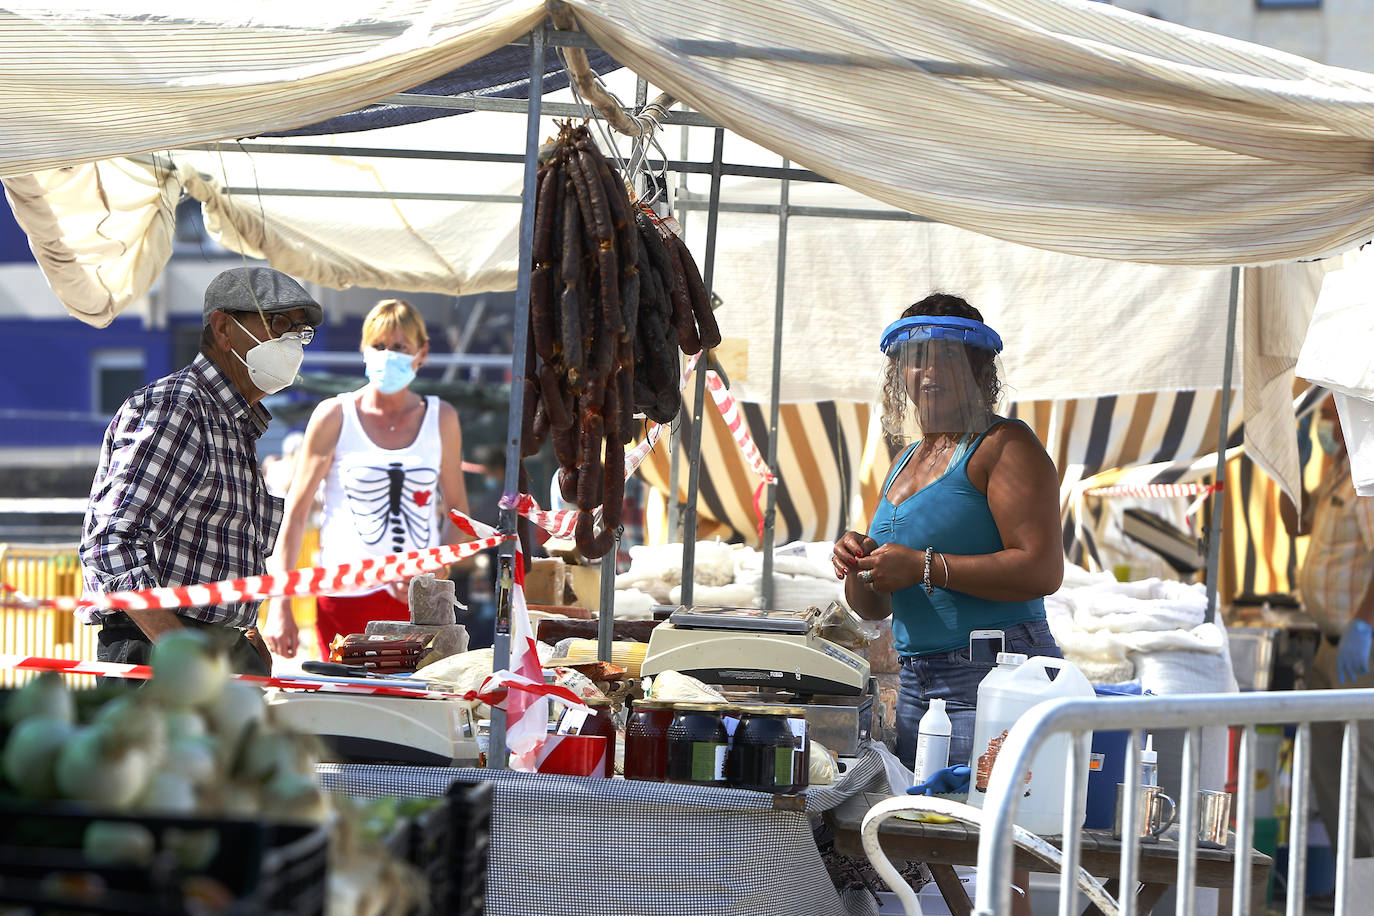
14, 244
46, 390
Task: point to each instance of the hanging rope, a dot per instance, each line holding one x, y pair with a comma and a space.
586, 83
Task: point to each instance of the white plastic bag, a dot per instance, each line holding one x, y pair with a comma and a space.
1335, 353
899, 778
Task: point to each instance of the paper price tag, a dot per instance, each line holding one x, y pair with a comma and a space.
572, 722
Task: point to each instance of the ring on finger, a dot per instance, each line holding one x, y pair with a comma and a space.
867, 577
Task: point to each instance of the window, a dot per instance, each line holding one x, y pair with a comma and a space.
115, 374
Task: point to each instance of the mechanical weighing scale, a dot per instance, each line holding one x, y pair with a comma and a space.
779, 656
362, 728
756, 648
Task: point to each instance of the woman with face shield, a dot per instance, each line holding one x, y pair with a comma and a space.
391, 464
966, 536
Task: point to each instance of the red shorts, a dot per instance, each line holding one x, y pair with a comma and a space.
351, 614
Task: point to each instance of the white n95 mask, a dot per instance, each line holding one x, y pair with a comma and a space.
272, 364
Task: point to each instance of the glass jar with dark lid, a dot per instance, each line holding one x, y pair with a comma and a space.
697, 743
600, 722
801, 746
646, 740
763, 755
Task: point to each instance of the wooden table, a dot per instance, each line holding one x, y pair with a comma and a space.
943, 846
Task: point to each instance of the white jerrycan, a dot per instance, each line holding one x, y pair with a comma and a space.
1008, 691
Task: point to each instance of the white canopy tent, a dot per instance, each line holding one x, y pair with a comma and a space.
1068, 126
1061, 124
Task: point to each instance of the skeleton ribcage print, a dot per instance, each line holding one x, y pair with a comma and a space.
389, 503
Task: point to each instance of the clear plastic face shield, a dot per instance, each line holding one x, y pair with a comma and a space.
942, 377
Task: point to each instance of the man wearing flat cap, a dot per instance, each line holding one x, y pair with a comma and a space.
178, 497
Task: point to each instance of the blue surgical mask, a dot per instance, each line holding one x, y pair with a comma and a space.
1326, 436
389, 370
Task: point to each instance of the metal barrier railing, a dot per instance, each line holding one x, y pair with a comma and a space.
1079, 717
42, 571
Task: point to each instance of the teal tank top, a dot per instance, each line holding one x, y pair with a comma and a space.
951, 515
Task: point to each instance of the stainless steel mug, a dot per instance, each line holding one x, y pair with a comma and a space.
1214, 815
1150, 819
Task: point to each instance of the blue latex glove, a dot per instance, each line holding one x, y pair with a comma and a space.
1352, 661
944, 782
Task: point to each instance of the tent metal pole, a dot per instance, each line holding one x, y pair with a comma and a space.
689, 527
1223, 427
496, 758
682, 205
770, 498
517, 106
683, 165
675, 431
605, 613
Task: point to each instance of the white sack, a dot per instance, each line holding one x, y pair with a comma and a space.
1335, 353
633, 604
1357, 425
732, 595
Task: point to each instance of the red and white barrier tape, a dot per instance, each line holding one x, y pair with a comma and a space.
562, 523
734, 420
494, 690
318, 580
1157, 490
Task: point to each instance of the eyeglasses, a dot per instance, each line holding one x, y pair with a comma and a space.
281, 325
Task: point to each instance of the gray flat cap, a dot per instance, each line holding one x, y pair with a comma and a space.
247, 289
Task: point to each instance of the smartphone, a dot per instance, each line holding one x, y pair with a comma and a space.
983, 646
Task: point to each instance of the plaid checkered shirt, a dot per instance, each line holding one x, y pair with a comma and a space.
1340, 557
178, 497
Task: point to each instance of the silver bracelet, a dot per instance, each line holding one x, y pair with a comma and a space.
945, 564
925, 579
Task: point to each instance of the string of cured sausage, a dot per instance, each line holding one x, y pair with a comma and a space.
613, 299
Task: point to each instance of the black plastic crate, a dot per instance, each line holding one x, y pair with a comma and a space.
469, 810
256, 868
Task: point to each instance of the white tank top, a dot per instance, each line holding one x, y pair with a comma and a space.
379, 501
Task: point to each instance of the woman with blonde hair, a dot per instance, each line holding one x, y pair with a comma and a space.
391, 463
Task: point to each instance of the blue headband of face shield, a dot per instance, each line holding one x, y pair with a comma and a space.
937, 327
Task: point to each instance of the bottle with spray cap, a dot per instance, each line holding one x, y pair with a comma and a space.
1149, 763
932, 742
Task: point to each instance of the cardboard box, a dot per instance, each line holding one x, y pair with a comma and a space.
546, 580
586, 585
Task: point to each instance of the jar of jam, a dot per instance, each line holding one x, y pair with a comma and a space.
801, 747
646, 740
601, 723
762, 755
596, 722
697, 743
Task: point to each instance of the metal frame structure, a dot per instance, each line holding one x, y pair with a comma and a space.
1079, 717
538, 40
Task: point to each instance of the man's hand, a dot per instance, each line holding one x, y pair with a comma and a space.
1352, 661
255, 640
280, 632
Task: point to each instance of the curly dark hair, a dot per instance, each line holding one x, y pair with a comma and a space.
943, 305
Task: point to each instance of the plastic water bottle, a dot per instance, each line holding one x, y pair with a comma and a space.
1149, 763
932, 742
